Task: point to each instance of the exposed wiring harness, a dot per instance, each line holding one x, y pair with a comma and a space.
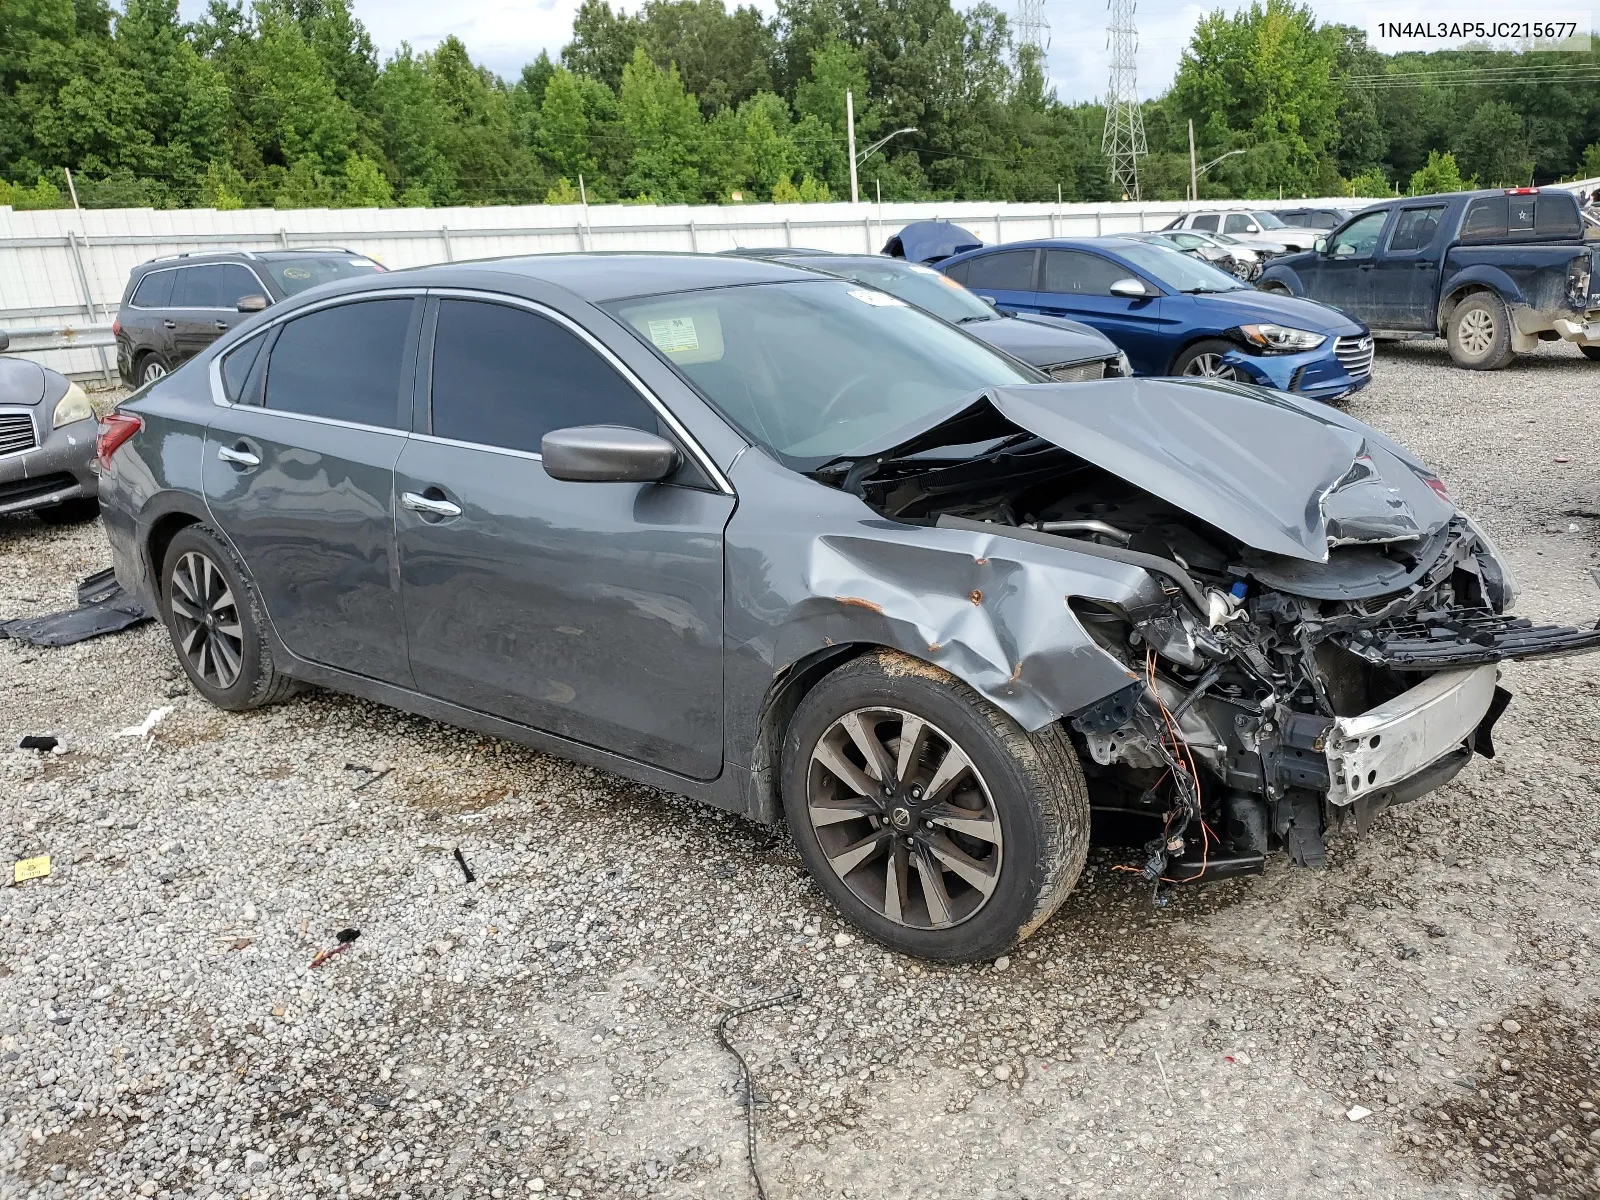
744, 1070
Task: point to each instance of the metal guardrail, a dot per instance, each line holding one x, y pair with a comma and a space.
65, 337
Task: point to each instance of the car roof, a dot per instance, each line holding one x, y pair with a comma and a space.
201, 257
599, 277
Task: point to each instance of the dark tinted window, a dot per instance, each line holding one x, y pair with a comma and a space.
1508, 218
1008, 271
1238, 223
1557, 214
1414, 228
1486, 219
155, 290
1078, 273
957, 272
1295, 220
236, 367
200, 287
235, 282
506, 377
1206, 223
1323, 220
342, 362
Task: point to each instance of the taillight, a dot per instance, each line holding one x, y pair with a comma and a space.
115, 428
1439, 489
116, 329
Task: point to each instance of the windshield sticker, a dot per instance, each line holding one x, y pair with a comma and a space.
675, 335
296, 273
877, 299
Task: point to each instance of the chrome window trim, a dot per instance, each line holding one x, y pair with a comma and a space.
214, 368
505, 450
194, 307
705, 460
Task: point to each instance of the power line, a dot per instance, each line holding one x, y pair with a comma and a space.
1123, 141
1033, 29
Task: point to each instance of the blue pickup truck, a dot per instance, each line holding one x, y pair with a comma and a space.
1492, 272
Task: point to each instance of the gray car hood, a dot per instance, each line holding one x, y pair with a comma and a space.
21, 382
1044, 341
1262, 466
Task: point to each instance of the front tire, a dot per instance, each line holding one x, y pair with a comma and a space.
1592, 353
215, 619
1479, 333
1203, 360
930, 819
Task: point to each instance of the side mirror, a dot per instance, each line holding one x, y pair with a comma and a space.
989, 300
1132, 289
5, 341
253, 303
607, 454
1320, 245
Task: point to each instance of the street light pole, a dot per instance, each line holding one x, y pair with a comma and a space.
1194, 175
850, 122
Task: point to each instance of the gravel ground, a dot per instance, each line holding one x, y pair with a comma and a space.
549, 1027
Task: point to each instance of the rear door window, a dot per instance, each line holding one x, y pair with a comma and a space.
1007, 271
505, 377
1209, 224
343, 363
199, 287
1078, 273
1415, 228
154, 290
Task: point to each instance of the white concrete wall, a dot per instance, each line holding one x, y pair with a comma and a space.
41, 284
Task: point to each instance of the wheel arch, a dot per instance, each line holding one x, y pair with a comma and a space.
159, 536
1470, 282
1193, 340
1283, 277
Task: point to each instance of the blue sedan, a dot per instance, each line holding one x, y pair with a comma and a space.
1173, 315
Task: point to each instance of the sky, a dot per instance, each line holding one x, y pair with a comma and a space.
505, 34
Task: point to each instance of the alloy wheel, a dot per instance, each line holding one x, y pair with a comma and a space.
153, 370
1210, 366
206, 619
1476, 331
904, 818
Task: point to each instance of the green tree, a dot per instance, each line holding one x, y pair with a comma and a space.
365, 185
663, 124
602, 43
1591, 161
222, 188
306, 186
1493, 145
564, 134
1440, 174
722, 57
1371, 183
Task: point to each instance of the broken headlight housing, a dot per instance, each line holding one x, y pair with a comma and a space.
1498, 576
73, 406
1281, 339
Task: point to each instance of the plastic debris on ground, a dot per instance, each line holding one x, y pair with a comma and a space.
31, 868
346, 938
103, 607
38, 741
144, 727
465, 870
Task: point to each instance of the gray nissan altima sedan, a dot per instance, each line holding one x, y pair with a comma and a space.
787, 545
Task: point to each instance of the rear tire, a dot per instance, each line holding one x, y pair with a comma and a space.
216, 622
151, 368
1479, 333
1592, 353
70, 512
1203, 360
957, 870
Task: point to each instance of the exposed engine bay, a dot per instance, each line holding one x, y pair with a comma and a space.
1294, 676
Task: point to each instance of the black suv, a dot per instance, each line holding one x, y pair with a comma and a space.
174, 307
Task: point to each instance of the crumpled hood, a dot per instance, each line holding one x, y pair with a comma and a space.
1259, 466
1282, 474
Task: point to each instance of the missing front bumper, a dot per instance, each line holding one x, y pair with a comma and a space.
1401, 738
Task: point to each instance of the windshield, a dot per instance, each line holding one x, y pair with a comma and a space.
816, 371
1268, 220
1173, 268
919, 285
298, 274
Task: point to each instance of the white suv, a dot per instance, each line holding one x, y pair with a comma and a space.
1256, 227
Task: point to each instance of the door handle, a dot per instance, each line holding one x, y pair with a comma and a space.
432, 506
222, 325
170, 324
237, 456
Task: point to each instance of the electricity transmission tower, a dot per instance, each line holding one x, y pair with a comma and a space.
1032, 28
1123, 141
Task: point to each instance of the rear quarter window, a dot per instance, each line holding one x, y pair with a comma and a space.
154, 290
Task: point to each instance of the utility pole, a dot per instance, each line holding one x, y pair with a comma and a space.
1123, 141
850, 122
1194, 177
1033, 30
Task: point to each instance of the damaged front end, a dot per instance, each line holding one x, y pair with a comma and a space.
1328, 628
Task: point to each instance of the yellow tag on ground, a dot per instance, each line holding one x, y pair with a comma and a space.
32, 868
